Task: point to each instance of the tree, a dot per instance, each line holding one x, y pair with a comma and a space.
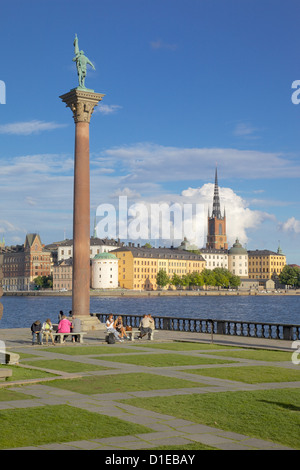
176, 280
43, 282
196, 279
221, 277
38, 282
208, 277
162, 279
290, 276
234, 281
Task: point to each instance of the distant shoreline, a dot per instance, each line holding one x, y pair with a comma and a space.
125, 293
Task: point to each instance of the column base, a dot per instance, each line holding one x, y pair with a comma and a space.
90, 323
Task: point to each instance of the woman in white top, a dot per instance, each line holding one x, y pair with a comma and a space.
111, 329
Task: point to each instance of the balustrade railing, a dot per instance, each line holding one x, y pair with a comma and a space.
223, 327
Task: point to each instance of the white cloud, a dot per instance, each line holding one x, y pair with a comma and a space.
240, 218
108, 108
245, 130
292, 225
158, 44
150, 162
30, 201
191, 207
129, 193
8, 227
29, 127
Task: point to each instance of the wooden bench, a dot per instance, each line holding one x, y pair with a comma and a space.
61, 336
131, 334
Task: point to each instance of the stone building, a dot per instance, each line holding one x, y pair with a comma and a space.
97, 245
238, 260
215, 258
104, 272
23, 263
138, 266
266, 264
63, 274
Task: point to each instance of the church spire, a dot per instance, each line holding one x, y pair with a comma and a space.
216, 212
216, 230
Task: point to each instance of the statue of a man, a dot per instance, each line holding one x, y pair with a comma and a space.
81, 63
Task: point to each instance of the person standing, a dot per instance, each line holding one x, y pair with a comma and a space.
60, 315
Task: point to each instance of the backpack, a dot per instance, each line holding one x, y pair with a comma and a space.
111, 338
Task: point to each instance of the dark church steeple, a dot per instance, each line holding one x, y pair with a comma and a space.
216, 233
216, 212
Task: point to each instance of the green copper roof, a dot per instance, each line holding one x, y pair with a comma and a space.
237, 249
105, 256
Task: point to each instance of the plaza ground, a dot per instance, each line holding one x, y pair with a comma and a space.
177, 367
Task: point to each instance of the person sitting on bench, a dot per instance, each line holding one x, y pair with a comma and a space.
64, 326
146, 326
111, 328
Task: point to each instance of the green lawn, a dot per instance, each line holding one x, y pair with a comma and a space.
251, 374
63, 365
20, 373
60, 423
256, 354
181, 346
266, 414
121, 383
166, 360
74, 350
9, 395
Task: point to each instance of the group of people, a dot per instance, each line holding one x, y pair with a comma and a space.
65, 325
116, 327
73, 325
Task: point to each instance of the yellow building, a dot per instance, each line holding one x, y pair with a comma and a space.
265, 264
138, 267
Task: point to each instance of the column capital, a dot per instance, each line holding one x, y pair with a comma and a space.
81, 103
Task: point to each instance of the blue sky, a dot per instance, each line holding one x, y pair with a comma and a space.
188, 84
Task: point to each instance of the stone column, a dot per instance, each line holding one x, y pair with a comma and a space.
82, 104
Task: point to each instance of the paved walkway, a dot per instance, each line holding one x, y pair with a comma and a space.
165, 429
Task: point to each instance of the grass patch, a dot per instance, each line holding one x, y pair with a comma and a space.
122, 383
166, 360
64, 366
9, 395
194, 446
257, 354
73, 350
20, 373
182, 346
251, 375
60, 423
26, 355
265, 414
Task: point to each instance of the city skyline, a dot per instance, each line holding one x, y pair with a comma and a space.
188, 85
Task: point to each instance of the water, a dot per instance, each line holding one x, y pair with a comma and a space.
21, 312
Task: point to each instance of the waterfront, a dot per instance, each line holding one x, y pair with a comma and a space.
21, 311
